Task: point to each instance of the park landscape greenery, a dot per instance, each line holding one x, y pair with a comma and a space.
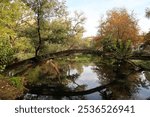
35, 28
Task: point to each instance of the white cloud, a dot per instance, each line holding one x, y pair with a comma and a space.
144, 24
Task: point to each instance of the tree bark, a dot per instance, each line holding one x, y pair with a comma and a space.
39, 33
35, 60
57, 91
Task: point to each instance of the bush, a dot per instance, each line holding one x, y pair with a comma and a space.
6, 53
119, 49
17, 82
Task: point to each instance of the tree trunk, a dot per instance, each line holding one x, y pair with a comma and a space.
39, 33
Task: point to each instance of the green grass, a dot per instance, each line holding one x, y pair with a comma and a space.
17, 82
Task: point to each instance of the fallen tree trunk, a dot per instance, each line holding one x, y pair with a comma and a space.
35, 60
54, 55
57, 91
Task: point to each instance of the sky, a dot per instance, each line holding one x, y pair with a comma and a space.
95, 9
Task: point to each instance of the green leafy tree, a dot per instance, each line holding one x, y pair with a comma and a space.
44, 12
6, 53
116, 48
76, 30
10, 15
59, 31
66, 33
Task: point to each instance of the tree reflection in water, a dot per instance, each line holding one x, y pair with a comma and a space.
127, 81
44, 79
124, 82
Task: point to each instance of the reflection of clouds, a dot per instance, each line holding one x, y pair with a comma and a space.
133, 85
88, 77
73, 71
142, 94
143, 87
143, 78
94, 96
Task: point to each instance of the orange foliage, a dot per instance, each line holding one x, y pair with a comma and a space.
120, 25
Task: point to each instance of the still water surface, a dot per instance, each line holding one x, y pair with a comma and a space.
135, 86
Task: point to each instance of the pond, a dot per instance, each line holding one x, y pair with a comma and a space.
71, 80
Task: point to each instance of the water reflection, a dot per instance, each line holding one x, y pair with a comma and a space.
74, 80
128, 84
88, 78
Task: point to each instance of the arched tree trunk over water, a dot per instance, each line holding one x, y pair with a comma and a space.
54, 55
45, 57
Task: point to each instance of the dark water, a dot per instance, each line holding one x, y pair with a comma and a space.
78, 76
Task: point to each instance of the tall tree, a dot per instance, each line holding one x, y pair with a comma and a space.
44, 11
10, 15
76, 30
67, 32
11, 12
120, 25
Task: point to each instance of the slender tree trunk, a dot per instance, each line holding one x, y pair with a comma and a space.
39, 33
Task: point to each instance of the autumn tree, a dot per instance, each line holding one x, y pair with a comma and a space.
117, 34
120, 25
147, 36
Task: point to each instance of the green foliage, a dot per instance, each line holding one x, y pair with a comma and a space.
22, 21
120, 49
6, 53
82, 58
2, 68
34, 75
11, 88
1, 76
76, 30
58, 31
52, 48
17, 82
23, 49
143, 64
12, 13
44, 12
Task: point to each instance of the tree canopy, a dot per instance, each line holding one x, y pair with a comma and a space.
120, 25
